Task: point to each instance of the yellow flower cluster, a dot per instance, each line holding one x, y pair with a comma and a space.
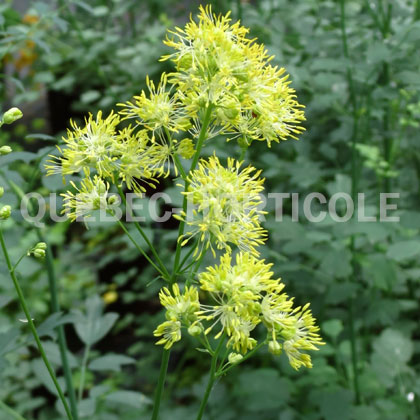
226, 201
244, 295
217, 68
91, 195
181, 309
216, 63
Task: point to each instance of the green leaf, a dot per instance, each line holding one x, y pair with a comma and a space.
263, 389
404, 250
337, 263
379, 271
44, 377
90, 96
391, 351
131, 398
336, 405
111, 362
332, 327
93, 326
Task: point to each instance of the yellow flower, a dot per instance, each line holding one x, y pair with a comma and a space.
226, 204
302, 336
244, 295
157, 111
135, 164
180, 306
181, 309
216, 63
91, 195
92, 146
170, 331
110, 297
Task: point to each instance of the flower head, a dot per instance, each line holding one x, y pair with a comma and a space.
91, 195
217, 63
181, 310
91, 146
244, 294
226, 201
158, 110
170, 331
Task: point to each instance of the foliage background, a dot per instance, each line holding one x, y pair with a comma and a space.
60, 60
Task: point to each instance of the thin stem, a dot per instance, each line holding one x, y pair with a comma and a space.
244, 149
200, 142
144, 236
196, 267
15, 415
212, 379
202, 136
180, 168
223, 371
354, 176
166, 353
62, 342
161, 382
239, 7
417, 11
32, 326
83, 372
139, 248
55, 308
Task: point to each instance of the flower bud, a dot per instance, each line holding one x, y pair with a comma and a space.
186, 148
274, 347
5, 212
1, 191
113, 199
110, 297
39, 253
234, 358
195, 330
5, 150
39, 250
12, 115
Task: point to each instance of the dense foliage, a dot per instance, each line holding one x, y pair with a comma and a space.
354, 66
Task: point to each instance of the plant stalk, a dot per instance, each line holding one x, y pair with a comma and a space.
14, 414
62, 342
32, 327
161, 383
212, 379
55, 308
200, 142
144, 236
354, 178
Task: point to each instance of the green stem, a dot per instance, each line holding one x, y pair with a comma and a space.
200, 142
244, 149
223, 371
180, 168
354, 176
166, 353
83, 373
55, 308
212, 379
144, 236
161, 382
32, 326
14, 414
139, 248
239, 7
62, 342
185, 259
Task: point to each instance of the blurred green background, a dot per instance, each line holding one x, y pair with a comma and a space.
355, 65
